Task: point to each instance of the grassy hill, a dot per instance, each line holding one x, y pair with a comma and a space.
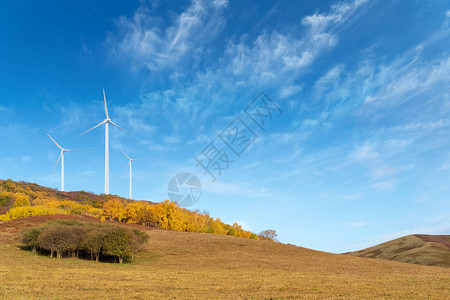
23, 199
430, 250
199, 265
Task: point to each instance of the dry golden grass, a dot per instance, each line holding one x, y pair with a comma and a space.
431, 250
195, 265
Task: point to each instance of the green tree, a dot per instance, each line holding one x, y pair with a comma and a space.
93, 243
30, 238
119, 242
57, 238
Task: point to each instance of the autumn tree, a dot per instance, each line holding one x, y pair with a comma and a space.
269, 234
21, 200
133, 211
114, 210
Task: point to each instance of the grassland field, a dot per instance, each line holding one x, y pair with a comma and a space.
181, 265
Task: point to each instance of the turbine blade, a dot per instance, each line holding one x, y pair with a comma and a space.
67, 150
106, 107
121, 128
92, 128
129, 162
55, 142
126, 155
57, 162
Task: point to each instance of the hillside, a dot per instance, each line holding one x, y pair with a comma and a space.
34, 190
22, 199
430, 250
197, 265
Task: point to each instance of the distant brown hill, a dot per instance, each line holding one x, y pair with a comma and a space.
422, 249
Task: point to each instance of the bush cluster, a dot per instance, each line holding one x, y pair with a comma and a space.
84, 240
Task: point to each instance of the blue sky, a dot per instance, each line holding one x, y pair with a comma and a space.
359, 155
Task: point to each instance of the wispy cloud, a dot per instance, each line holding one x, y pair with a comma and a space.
144, 43
274, 55
236, 188
246, 65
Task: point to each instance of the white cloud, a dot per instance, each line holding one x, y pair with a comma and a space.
338, 14
136, 118
383, 185
172, 139
377, 156
423, 126
399, 83
235, 189
326, 86
142, 42
242, 70
274, 56
364, 152
290, 90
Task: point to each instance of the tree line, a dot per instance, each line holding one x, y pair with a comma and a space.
99, 242
26, 200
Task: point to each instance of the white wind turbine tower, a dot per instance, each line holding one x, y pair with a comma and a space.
61, 157
130, 160
107, 121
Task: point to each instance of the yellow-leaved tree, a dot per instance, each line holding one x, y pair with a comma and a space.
114, 210
21, 200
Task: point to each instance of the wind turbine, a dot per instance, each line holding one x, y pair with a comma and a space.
130, 160
61, 157
107, 121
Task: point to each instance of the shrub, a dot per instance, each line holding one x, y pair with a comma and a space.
72, 238
6, 199
119, 242
231, 231
57, 238
30, 238
93, 243
29, 211
21, 200
253, 236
